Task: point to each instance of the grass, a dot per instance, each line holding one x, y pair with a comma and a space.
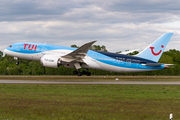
91, 78
88, 102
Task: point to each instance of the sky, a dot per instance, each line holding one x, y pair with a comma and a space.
117, 24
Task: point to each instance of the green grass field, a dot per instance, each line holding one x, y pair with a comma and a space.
90, 78
88, 102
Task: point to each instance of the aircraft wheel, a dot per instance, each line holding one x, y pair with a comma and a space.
75, 72
84, 72
79, 74
17, 63
88, 73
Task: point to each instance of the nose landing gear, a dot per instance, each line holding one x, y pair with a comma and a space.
16, 58
17, 63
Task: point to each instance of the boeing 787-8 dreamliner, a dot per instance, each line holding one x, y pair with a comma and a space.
83, 57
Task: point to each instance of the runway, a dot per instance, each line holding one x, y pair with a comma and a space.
91, 82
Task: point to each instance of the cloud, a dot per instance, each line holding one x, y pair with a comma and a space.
119, 25
114, 11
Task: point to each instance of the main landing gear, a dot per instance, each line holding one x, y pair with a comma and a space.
16, 58
77, 72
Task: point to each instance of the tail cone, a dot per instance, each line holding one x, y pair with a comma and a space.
166, 67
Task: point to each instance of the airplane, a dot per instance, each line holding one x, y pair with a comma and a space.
82, 57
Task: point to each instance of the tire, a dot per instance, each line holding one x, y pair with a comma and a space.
17, 63
84, 72
75, 72
79, 74
88, 73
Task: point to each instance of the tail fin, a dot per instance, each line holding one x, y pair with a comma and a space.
154, 51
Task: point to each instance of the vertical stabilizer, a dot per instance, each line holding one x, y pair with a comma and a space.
154, 51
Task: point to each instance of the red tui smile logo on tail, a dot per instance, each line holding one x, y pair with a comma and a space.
162, 46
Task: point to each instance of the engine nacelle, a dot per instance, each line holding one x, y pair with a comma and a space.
50, 61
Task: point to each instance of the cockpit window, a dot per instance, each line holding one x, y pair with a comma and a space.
10, 46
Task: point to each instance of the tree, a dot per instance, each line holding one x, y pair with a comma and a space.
75, 46
175, 54
99, 48
133, 53
94, 47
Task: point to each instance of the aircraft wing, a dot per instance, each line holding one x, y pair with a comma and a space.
78, 54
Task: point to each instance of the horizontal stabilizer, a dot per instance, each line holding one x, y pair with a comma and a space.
157, 64
153, 64
167, 65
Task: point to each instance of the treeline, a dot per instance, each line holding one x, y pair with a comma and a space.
26, 67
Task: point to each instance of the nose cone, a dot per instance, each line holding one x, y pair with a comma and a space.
5, 51
8, 50
166, 67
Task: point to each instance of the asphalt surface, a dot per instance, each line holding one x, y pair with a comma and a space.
91, 82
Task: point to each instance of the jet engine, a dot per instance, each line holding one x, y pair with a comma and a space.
50, 61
